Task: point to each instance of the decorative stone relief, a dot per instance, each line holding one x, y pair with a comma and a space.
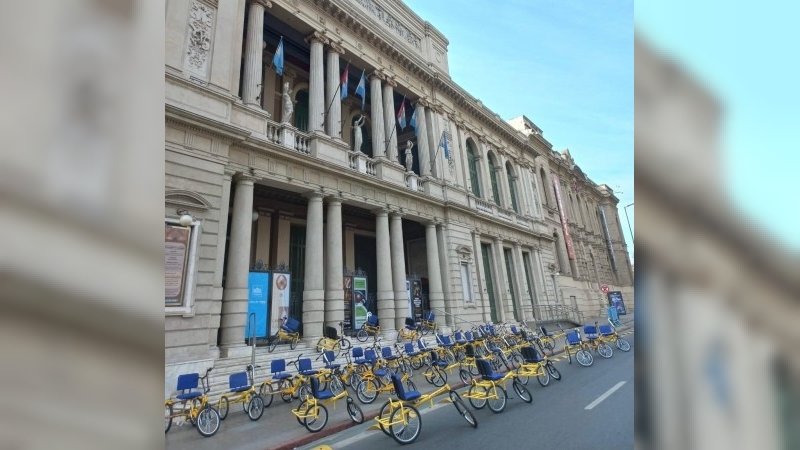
199, 42
391, 22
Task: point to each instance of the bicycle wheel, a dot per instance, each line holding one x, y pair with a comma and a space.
336, 386
304, 391
551, 369
188, 407
320, 347
362, 335
354, 379
584, 358
285, 388
605, 350
255, 407
424, 330
549, 344
522, 378
462, 409
273, 343
265, 391
367, 391
410, 386
303, 406
167, 417
208, 421
293, 342
354, 411
435, 376
466, 378
223, 407
407, 430
544, 377
498, 404
623, 345
385, 414
316, 417
516, 361
477, 403
415, 363
522, 392
344, 344
449, 357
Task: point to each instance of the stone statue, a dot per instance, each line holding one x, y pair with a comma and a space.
358, 138
288, 105
409, 156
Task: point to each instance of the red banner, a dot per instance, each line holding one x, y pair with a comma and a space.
563, 213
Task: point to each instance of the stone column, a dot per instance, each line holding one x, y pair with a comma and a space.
376, 114
483, 165
234, 297
334, 291
444, 262
522, 283
422, 140
316, 95
390, 120
542, 278
500, 266
435, 294
333, 93
462, 177
253, 53
398, 270
433, 140
503, 180
222, 236
386, 303
313, 289
482, 294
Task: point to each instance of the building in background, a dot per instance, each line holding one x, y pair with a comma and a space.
352, 163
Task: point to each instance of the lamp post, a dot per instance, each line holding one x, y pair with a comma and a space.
633, 241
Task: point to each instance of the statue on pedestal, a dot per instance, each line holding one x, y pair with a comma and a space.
358, 138
288, 105
409, 156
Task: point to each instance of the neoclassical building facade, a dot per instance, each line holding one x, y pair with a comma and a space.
478, 216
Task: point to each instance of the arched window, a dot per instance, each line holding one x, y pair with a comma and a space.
473, 169
301, 111
366, 138
493, 177
512, 187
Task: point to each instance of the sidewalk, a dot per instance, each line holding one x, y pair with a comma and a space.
279, 429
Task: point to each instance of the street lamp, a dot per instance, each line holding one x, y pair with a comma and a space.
633, 241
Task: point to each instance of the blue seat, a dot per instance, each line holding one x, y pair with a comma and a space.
444, 341
186, 384
485, 369
358, 356
238, 382
319, 395
606, 330
469, 336
422, 346
531, 355
329, 357
401, 392
459, 338
386, 353
410, 325
278, 369
573, 337
409, 348
514, 330
430, 316
436, 360
591, 331
372, 320
291, 325
304, 367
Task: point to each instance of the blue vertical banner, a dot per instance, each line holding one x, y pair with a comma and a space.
615, 300
258, 303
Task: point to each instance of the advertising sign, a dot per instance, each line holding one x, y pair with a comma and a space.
415, 298
281, 293
615, 300
347, 282
258, 301
176, 252
563, 213
359, 301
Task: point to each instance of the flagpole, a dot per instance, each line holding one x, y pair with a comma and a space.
436, 155
325, 113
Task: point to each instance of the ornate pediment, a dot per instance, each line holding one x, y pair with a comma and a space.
464, 252
186, 199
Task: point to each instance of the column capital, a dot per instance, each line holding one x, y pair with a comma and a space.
396, 215
244, 178
377, 74
314, 195
430, 224
423, 102
390, 81
317, 36
229, 173
332, 199
264, 3
381, 211
336, 47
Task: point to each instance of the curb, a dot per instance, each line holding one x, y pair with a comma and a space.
343, 425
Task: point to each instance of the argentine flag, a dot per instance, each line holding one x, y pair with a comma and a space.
361, 89
413, 121
277, 60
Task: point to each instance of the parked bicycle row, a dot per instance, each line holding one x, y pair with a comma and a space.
369, 371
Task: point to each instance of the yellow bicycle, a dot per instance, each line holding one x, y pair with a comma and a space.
288, 332
312, 412
193, 405
490, 390
242, 391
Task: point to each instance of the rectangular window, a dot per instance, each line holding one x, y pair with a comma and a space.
180, 255
466, 284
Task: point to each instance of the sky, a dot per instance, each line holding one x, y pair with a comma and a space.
566, 65
747, 57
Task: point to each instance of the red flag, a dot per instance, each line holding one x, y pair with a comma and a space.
344, 80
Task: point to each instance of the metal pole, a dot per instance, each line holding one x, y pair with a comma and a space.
633, 241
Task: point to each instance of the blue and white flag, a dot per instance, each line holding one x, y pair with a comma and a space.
277, 60
361, 89
413, 121
401, 114
345, 75
443, 144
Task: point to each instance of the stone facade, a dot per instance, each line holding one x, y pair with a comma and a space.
296, 193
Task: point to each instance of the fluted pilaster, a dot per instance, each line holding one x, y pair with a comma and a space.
334, 294
386, 306
316, 94
422, 140
389, 121
313, 289
253, 54
376, 105
435, 294
333, 95
398, 270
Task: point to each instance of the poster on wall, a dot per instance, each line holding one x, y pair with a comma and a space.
280, 300
258, 304
347, 282
615, 300
359, 302
416, 299
176, 254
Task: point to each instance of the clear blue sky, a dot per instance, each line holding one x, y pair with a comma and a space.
566, 65
747, 55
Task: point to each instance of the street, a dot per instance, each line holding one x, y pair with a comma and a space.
591, 407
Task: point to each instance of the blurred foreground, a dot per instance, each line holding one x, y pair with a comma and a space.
717, 365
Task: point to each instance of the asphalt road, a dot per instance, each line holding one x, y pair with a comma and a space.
557, 417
